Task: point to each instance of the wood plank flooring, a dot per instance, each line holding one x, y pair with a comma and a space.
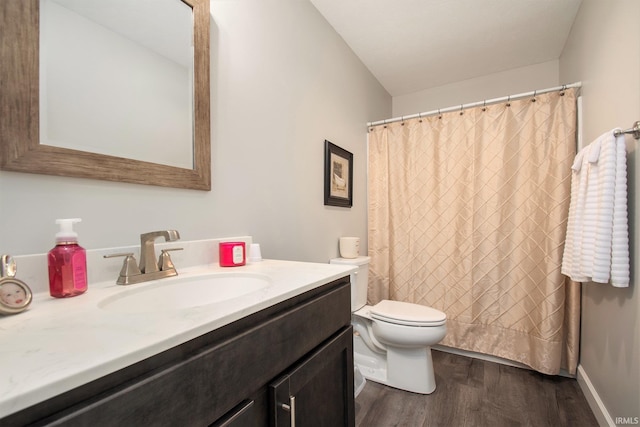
473, 392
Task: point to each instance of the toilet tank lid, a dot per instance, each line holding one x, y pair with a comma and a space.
407, 313
361, 260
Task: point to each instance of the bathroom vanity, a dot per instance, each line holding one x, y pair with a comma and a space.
255, 360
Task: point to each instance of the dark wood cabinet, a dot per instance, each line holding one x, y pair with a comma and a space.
243, 415
233, 376
319, 390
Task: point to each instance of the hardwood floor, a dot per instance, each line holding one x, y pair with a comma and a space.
472, 392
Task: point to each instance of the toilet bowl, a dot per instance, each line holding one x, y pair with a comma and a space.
393, 339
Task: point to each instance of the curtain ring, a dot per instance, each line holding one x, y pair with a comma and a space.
419, 117
564, 87
484, 105
384, 122
535, 92
509, 101
439, 114
401, 120
461, 112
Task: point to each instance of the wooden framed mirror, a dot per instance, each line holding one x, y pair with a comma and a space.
20, 147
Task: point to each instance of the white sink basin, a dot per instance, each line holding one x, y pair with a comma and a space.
184, 292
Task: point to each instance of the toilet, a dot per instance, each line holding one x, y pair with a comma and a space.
392, 339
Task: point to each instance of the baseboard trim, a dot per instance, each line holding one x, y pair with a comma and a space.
595, 403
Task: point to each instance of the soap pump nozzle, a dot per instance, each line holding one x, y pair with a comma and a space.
66, 233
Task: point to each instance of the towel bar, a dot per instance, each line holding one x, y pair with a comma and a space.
635, 130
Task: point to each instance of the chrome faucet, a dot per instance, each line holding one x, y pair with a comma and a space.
150, 268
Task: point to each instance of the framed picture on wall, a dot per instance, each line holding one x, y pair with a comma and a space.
338, 176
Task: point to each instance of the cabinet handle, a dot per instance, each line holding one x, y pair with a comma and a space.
291, 409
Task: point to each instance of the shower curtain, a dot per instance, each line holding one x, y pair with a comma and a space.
467, 214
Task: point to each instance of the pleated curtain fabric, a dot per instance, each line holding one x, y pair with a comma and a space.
468, 214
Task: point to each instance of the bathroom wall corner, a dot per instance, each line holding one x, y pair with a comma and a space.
595, 403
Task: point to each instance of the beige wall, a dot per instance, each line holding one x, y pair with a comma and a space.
603, 51
282, 82
511, 82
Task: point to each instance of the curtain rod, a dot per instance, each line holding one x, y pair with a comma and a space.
475, 104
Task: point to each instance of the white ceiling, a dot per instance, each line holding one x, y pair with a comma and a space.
412, 45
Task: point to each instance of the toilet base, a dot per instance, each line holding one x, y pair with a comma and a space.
371, 368
411, 369
405, 369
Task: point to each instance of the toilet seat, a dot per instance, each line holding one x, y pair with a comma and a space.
408, 314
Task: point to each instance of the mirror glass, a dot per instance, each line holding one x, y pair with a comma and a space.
116, 78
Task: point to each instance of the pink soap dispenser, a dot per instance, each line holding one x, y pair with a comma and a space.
67, 262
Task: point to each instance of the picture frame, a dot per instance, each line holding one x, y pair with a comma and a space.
338, 176
15, 296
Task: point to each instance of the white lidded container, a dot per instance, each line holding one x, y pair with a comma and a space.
349, 247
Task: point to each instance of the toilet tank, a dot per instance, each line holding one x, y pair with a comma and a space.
359, 279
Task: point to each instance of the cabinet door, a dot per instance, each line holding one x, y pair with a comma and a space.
240, 416
318, 391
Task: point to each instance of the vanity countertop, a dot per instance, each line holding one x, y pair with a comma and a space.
60, 344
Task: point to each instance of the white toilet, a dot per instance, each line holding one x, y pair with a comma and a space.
392, 340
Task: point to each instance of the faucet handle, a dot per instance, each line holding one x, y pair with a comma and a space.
164, 262
129, 267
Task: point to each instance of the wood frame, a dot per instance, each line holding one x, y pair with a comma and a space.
20, 149
338, 183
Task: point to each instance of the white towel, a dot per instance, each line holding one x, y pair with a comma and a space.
597, 243
620, 237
